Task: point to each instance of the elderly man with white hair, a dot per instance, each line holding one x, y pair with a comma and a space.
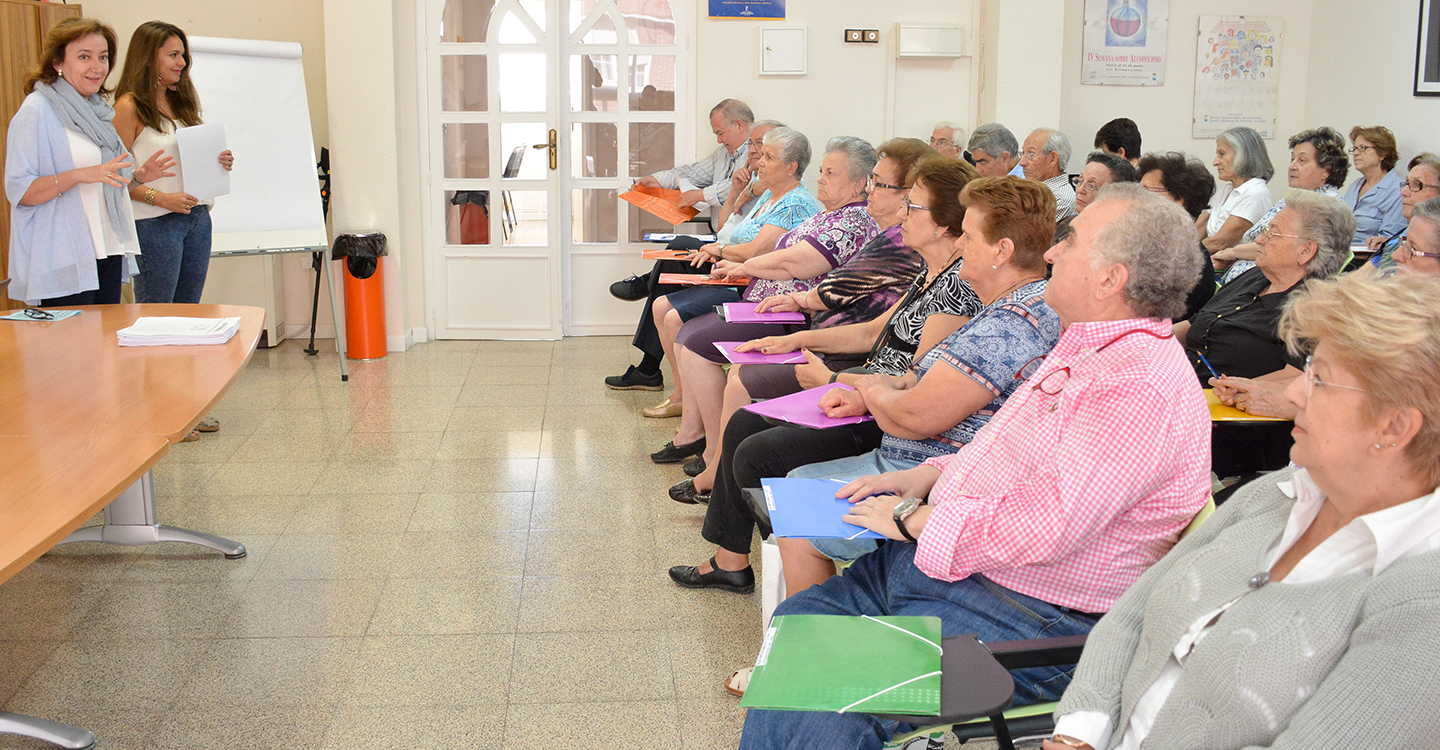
948, 138
1078, 484
1045, 158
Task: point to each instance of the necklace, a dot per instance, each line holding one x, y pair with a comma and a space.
1017, 285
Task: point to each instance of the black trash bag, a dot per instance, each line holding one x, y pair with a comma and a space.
371, 245
362, 268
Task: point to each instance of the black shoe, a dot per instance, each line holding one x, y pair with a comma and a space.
674, 454
685, 492
631, 290
739, 581
634, 380
694, 467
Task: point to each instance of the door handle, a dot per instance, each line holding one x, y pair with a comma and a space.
553, 145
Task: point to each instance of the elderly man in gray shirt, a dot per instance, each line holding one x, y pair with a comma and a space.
1044, 158
731, 121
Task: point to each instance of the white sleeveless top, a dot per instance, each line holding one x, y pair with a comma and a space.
85, 153
148, 142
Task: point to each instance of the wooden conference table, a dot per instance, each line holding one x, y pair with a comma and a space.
82, 422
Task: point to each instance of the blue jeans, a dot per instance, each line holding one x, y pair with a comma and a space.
888, 583
847, 469
174, 256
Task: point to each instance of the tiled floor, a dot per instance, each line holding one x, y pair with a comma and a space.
464, 546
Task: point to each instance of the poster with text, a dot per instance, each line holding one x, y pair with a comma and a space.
1237, 63
1125, 42
747, 8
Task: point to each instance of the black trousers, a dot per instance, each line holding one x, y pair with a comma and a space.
647, 336
109, 270
753, 449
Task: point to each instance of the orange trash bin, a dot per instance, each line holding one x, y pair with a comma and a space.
364, 294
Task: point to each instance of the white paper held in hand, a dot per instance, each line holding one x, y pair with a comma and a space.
685, 187
200, 147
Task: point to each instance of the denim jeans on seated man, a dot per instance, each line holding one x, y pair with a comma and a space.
846, 469
887, 582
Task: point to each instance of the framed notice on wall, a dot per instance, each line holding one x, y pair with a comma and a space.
1427, 50
1237, 63
747, 8
1125, 42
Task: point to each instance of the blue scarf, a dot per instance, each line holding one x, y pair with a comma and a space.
91, 117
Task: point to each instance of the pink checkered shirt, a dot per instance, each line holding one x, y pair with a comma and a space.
1070, 497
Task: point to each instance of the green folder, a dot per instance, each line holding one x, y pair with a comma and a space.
886, 665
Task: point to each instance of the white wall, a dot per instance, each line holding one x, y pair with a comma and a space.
851, 89
1164, 112
1362, 72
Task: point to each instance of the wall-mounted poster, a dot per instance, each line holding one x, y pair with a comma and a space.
1125, 42
1427, 50
1237, 64
747, 8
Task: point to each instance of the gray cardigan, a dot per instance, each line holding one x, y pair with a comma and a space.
1352, 661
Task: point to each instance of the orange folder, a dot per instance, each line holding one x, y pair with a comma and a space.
661, 202
1222, 413
664, 254
700, 279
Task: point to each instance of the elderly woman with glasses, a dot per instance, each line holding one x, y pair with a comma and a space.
1421, 184
802, 258
1375, 199
1317, 162
1237, 332
1302, 613
1243, 167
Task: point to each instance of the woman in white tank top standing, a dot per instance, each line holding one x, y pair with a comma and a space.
155, 97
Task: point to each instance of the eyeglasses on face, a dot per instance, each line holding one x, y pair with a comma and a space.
1089, 186
1416, 186
1408, 247
1312, 382
874, 182
1357, 150
1268, 234
939, 142
914, 206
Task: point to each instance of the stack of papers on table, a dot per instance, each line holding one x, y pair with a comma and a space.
179, 331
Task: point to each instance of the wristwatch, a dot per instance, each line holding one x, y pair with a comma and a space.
903, 511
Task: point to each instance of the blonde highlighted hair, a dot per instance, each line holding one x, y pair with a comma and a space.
1385, 332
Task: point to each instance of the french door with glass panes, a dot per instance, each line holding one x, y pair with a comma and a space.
539, 114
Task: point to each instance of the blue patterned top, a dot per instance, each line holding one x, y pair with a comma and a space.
991, 348
787, 213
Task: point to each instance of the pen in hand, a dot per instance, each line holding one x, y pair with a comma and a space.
1206, 362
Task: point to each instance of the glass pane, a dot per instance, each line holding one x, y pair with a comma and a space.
467, 217
644, 222
594, 149
649, 21
652, 83
536, 10
466, 149
652, 148
514, 31
594, 215
603, 32
594, 83
524, 217
466, 20
580, 10
463, 86
522, 82
522, 161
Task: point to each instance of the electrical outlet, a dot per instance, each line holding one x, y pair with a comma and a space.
872, 36
853, 36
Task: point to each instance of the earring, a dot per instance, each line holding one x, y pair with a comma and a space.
994, 268
1380, 447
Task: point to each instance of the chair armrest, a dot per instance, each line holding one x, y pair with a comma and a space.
1038, 652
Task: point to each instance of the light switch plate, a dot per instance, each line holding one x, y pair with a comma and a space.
872, 36
853, 36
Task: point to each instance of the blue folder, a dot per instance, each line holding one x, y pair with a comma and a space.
808, 509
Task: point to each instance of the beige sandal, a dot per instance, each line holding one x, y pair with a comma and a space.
739, 681
208, 424
192, 437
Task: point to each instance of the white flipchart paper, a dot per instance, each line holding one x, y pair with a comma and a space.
200, 147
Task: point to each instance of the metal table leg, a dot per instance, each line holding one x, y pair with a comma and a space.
72, 738
130, 520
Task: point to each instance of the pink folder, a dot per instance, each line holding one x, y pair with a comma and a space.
727, 348
744, 312
803, 409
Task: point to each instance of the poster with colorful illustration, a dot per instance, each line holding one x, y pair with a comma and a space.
1237, 63
1125, 42
747, 8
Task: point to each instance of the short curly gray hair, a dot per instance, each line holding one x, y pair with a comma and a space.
793, 147
1155, 240
1327, 222
860, 156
